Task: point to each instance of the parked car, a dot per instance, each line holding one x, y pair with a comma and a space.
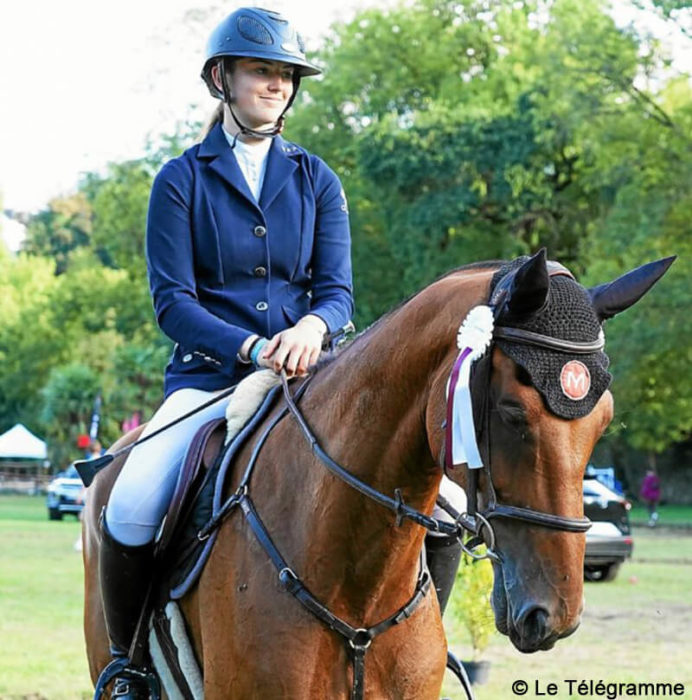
609, 541
65, 494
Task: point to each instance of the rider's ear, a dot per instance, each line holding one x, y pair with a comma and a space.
530, 287
216, 76
613, 297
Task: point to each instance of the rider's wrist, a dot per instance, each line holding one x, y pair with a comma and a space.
244, 352
256, 350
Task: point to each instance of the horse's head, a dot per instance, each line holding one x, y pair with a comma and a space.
540, 403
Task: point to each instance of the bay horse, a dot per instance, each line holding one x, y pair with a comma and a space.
379, 408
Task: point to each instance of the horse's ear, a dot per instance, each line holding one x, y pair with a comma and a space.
530, 288
613, 297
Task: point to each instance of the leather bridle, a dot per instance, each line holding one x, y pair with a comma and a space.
358, 639
474, 521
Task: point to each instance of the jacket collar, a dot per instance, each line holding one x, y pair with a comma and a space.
281, 163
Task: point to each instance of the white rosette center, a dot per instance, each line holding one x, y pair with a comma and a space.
476, 331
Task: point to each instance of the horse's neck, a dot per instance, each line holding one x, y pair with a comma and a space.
375, 398
370, 410
373, 402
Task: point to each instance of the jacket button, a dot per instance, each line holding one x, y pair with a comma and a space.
260, 271
261, 306
260, 231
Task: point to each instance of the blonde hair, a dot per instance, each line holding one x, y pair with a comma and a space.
216, 117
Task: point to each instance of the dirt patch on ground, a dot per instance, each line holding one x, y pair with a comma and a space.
661, 622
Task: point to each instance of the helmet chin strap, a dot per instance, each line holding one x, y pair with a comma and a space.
246, 130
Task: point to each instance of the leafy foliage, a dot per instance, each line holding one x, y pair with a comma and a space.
59, 229
523, 125
471, 606
462, 130
68, 398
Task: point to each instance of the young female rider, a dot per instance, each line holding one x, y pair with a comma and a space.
248, 254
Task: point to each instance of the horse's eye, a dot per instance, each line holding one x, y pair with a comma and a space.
512, 414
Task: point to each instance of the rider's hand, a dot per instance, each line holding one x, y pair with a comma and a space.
297, 348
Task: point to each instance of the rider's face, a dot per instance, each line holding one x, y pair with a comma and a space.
261, 89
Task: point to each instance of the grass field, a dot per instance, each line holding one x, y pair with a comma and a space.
635, 629
670, 515
41, 642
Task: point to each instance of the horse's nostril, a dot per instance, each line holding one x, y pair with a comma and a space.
533, 624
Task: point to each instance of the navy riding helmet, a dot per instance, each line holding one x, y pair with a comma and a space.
256, 33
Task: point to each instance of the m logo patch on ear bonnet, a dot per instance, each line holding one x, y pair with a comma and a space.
575, 380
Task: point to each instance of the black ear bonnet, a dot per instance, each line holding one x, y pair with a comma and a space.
567, 314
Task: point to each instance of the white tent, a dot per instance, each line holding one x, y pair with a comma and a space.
20, 443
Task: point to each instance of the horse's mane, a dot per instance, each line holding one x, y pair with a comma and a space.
328, 358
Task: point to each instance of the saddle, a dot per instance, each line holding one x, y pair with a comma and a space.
180, 550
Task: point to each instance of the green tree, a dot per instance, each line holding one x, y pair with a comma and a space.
88, 316
68, 399
461, 131
119, 203
465, 131
30, 344
63, 226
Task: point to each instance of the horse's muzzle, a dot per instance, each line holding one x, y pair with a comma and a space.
531, 627
531, 631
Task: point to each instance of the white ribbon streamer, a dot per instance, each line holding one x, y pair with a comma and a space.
474, 336
464, 445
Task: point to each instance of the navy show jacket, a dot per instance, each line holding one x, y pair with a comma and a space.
222, 267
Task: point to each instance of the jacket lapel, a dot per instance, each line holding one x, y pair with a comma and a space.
216, 149
280, 167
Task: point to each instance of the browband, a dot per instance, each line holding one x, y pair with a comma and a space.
517, 335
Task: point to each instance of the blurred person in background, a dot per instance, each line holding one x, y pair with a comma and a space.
650, 492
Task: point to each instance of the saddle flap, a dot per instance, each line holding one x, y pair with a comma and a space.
200, 456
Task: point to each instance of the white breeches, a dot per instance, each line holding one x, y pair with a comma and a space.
143, 490
457, 498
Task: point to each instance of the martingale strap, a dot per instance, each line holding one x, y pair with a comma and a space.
359, 639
